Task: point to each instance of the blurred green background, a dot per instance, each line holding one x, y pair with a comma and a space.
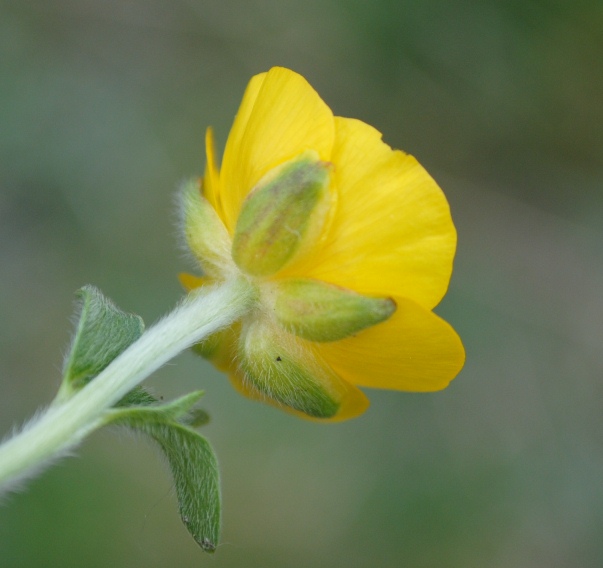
103, 107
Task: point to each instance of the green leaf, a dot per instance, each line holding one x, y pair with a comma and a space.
103, 332
191, 459
175, 410
138, 396
197, 480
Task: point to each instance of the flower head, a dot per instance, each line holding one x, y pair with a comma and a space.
348, 244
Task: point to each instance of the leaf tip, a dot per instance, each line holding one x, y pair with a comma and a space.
207, 545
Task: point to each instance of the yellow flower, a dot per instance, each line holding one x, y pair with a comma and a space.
348, 243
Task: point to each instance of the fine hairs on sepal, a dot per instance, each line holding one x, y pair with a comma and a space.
204, 233
282, 215
283, 372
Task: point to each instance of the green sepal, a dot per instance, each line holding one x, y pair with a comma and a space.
281, 214
192, 462
204, 231
282, 372
318, 311
103, 331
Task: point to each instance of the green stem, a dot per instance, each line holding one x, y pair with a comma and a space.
62, 426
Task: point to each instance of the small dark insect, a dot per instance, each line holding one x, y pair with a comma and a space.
279, 358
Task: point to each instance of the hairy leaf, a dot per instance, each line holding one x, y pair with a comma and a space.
103, 332
191, 459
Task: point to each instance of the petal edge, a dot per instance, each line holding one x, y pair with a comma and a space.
415, 350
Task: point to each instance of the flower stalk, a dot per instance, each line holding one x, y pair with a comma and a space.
66, 423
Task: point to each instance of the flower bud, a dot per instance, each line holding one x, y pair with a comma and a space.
284, 211
318, 311
204, 231
283, 372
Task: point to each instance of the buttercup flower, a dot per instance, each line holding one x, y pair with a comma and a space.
347, 243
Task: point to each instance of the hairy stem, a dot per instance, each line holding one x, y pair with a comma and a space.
62, 426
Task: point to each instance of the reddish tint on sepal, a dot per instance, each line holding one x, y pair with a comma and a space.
281, 215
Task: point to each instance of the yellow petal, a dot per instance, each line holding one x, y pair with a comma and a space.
220, 348
392, 233
414, 350
211, 179
280, 117
237, 131
190, 281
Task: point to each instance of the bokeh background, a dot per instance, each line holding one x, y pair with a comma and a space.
103, 107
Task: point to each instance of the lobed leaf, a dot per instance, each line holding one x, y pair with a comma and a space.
103, 332
192, 462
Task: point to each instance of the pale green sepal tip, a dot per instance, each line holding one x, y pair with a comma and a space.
205, 234
191, 459
318, 311
280, 373
279, 214
103, 332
